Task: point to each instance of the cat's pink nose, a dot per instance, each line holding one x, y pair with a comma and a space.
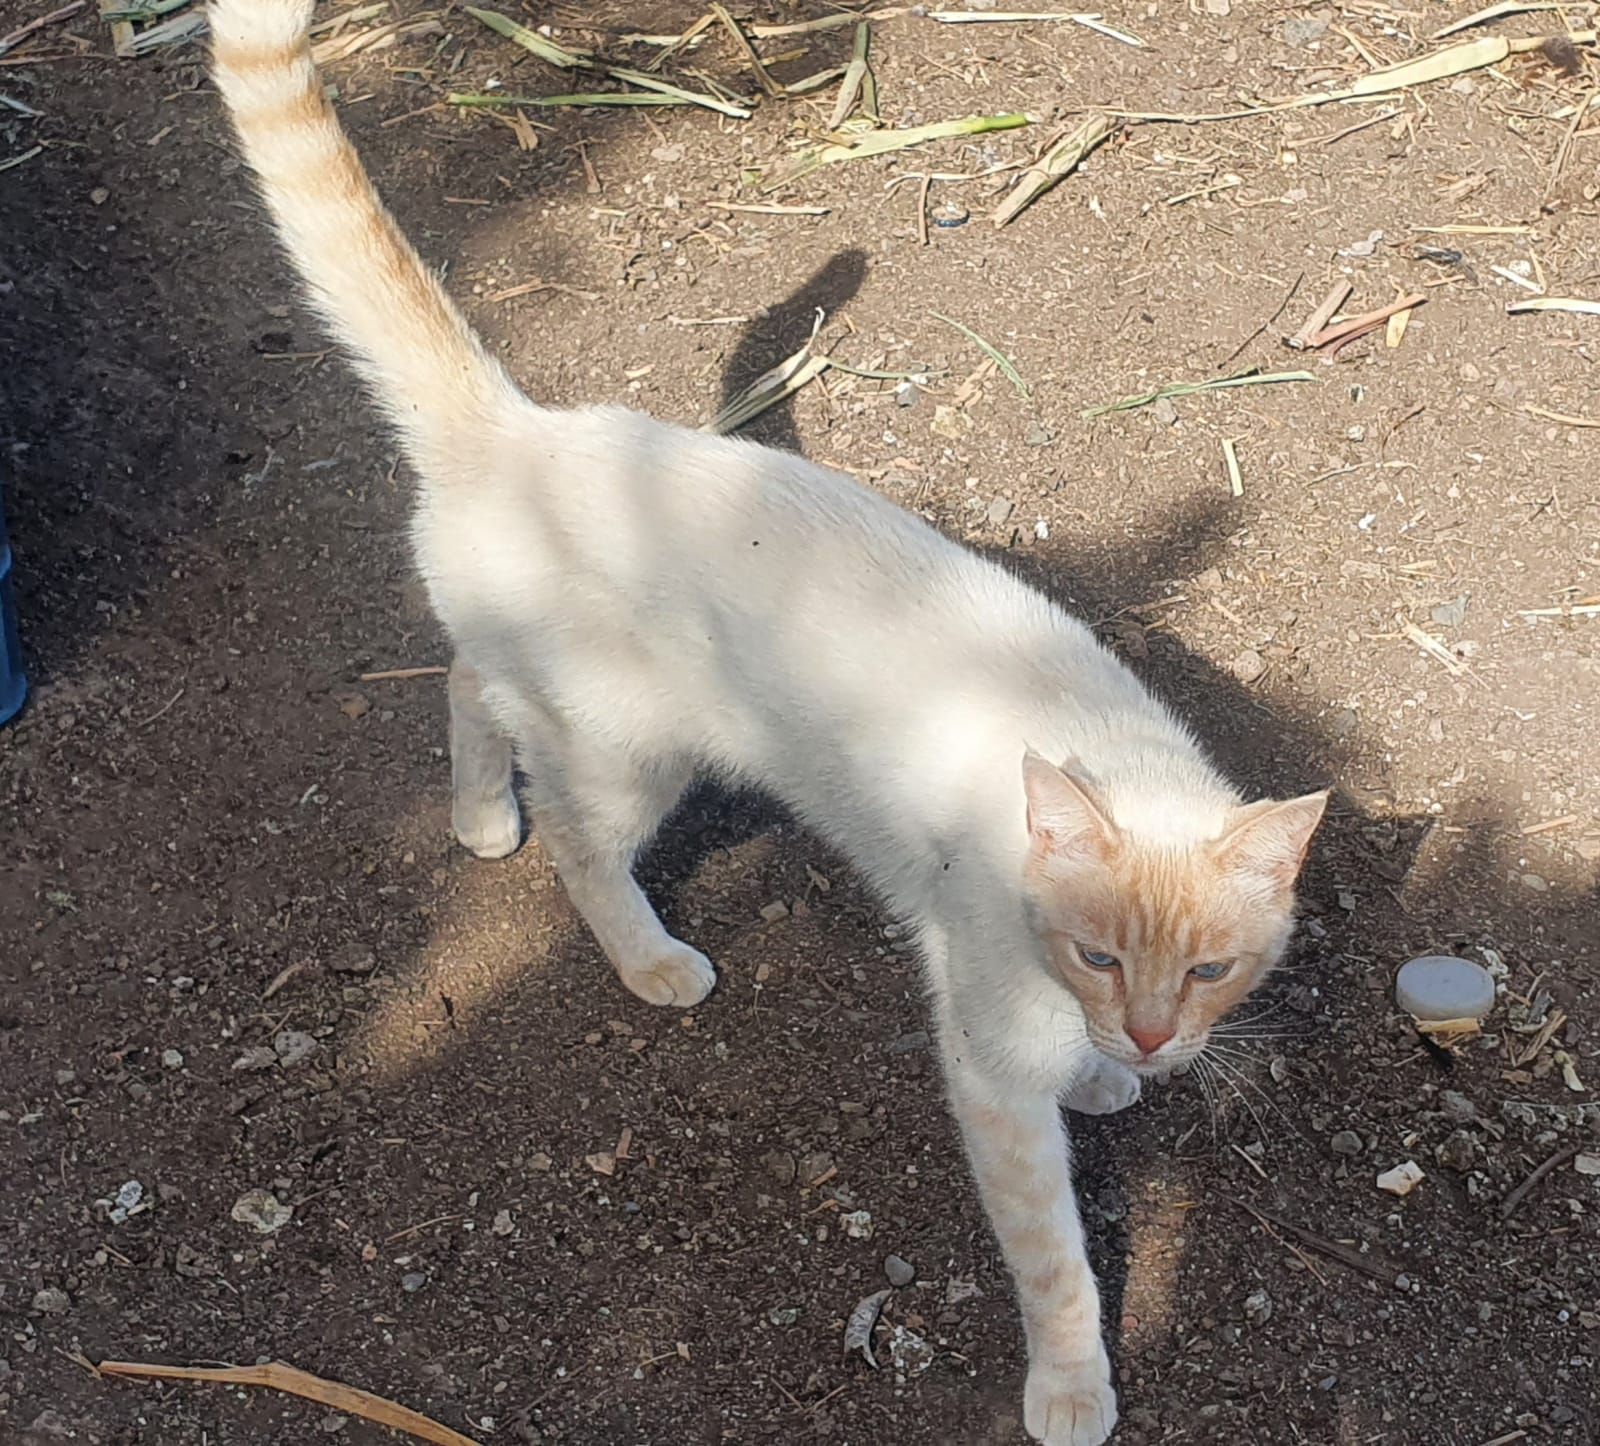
1149, 1040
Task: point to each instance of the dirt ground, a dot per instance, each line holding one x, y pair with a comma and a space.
239, 951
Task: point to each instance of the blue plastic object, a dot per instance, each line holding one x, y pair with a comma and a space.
13, 684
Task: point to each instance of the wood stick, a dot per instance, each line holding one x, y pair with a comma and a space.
277, 1376
401, 675
1321, 1244
1517, 1196
22, 32
1319, 318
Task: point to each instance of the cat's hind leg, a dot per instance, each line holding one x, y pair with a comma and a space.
593, 810
483, 810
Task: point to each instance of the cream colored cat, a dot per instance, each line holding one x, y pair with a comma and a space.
633, 603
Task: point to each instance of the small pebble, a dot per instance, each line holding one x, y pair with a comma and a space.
413, 1282
1258, 1307
999, 510
898, 1271
1439, 986
1165, 411
171, 1059
1403, 1179
949, 215
1248, 666
1346, 1142
292, 1046
261, 1209
502, 1223
51, 1301
1459, 1152
857, 1225
1456, 1107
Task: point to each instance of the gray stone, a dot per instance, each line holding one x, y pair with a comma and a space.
262, 1210
52, 1301
1165, 411
1248, 666
898, 1271
1258, 1307
780, 1165
1439, 986
413, 1282
292, 1046
1456, 1107
1459, 1152
1000, 510
1303, 30
1346, 1142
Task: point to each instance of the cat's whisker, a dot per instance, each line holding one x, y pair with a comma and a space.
1234, 1072
1202, 1079
1258, 1015
1228, 1078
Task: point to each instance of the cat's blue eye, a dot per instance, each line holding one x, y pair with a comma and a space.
1096, 960
1210, 972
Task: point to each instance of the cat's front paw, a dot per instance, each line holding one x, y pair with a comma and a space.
490, 827
1103, 1088
1070, 1405
677, 975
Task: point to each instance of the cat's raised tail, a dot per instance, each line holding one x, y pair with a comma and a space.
425, 364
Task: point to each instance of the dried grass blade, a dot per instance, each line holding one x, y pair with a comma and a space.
590, 98
1557, 303
836, 21
1498, 12
878, 143
999, 358
1092, 20
768, 389
688, 97
742, 43
1453, 60
529, 40
855, 76
276, 1376
1060, 161
1251, 378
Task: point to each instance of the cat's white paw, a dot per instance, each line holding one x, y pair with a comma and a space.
677, 975
1103, 1088
491, 828
1070, 1405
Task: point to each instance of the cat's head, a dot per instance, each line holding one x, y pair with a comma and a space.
1158, 940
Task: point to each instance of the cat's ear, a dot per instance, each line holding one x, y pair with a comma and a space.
1269, 839
1064, 818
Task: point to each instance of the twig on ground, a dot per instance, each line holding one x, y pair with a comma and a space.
277, 1376
1332, 1249
1282, 306
1301, 340
401, 675
22, 32
1509, 1205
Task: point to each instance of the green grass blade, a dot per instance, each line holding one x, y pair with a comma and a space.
1251, 378
998, 357
529, 40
